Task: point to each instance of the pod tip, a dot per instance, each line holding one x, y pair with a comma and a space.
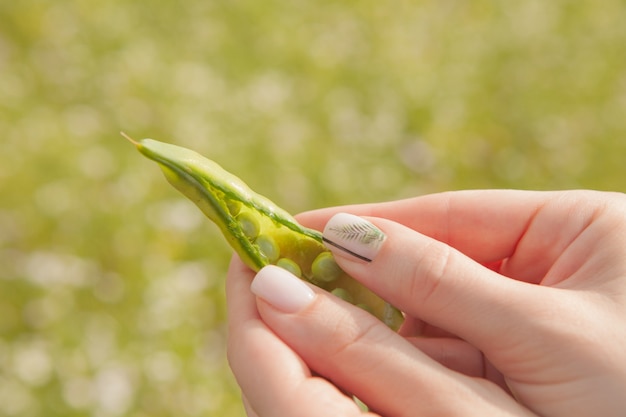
131, 140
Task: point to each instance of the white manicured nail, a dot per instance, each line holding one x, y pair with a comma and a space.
282, 289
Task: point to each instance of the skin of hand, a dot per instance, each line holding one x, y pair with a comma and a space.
515, 304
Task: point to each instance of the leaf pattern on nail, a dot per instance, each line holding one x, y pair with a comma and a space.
364, 233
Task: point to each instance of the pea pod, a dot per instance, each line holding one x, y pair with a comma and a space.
257, 229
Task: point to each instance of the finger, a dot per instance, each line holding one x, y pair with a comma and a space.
240, 302
248, 408
486, 225
414, 327
454, 354
434, 282
274, 380
361, 355
460, 356
528, 230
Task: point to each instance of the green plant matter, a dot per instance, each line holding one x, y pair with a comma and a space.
256, 228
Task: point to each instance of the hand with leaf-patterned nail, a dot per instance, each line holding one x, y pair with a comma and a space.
515, 305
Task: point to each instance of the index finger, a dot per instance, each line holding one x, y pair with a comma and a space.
486, 225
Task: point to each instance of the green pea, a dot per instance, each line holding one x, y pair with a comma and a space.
325, 268
364, 307
290, 266
343, 294
249, 224
268, 247
234, 207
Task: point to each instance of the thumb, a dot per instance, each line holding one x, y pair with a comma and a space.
362, 356
432, 281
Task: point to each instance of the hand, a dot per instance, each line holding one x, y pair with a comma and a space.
515, 304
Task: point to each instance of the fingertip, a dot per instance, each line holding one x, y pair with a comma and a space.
353, 237
238, 275
240, 302
237, 265
282, 289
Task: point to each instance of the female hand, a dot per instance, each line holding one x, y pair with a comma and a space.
515, 304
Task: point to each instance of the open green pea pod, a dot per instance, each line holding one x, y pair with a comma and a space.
258, 230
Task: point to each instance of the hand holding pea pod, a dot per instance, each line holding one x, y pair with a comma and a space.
258, 230
515, 305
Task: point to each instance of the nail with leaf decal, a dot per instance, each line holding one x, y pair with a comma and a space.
353, 235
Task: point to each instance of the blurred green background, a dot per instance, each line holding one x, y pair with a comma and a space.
111, 286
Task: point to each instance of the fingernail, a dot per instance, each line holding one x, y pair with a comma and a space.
282, 289
352, 235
